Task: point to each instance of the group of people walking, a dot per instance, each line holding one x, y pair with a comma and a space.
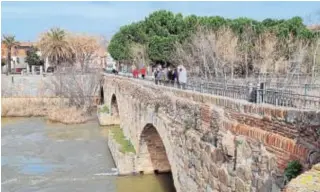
168, 76
176, 77
136, 72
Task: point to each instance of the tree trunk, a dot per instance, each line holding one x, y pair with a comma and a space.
314, 60
9, 61
246, 63
232, 69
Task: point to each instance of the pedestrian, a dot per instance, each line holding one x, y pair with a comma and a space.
182, 78
156, 76
176, 77
170, 76
165, 76
143, 72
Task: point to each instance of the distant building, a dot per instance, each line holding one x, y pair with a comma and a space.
18, 55
111, 63
101, 58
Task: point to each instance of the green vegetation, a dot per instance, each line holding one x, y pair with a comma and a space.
3, 61
239, 46
104, 109
292, 170
9, 41
162, 29
33, 58
54, 45
117, 134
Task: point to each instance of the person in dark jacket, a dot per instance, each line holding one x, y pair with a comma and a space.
176, 76
156, 76
171, 77
114, 71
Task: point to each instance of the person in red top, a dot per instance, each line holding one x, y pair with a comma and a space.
143, 72
135, 73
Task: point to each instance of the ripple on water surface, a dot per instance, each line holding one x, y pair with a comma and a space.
28, 165
35, 159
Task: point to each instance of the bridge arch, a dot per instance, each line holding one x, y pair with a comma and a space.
101, 95
153, 149
114, 107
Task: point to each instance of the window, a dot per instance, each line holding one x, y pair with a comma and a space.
18, 60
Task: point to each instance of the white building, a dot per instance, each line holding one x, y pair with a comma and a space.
111, 64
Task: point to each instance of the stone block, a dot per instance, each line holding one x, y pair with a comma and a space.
217, 156
240, 185
214, 170
228, 143
244, 173
223, 188
223, 176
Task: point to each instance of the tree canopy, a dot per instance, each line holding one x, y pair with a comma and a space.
54, 45
3, 61
33, 58
162, 29
9, 41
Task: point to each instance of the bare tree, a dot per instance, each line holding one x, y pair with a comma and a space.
265, 49
315, 64
227, 43
209, 54
85, 49
79, 87
198, 54
139, 54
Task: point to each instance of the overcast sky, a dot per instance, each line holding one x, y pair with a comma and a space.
27, 20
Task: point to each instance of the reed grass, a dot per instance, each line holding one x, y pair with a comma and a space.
54, 109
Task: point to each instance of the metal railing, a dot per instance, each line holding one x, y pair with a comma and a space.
278, 97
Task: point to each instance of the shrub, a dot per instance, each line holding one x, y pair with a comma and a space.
292, 170
104, 109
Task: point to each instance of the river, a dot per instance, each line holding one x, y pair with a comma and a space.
41, 156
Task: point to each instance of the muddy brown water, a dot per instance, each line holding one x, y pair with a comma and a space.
41, 156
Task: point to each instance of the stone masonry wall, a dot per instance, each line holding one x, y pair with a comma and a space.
214, 143
25, 86
125, 162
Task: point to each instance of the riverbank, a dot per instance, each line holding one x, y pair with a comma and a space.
54, 109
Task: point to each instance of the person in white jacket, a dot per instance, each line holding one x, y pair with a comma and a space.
182, 78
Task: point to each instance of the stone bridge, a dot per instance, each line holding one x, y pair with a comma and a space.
211, 143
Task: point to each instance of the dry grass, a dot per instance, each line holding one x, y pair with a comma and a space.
68, 115
54, 109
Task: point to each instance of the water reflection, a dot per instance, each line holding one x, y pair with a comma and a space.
145, 183
104, 130
58, 131
28, 165
11, 120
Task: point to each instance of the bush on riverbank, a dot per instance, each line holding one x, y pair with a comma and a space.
68, 115
54, 109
